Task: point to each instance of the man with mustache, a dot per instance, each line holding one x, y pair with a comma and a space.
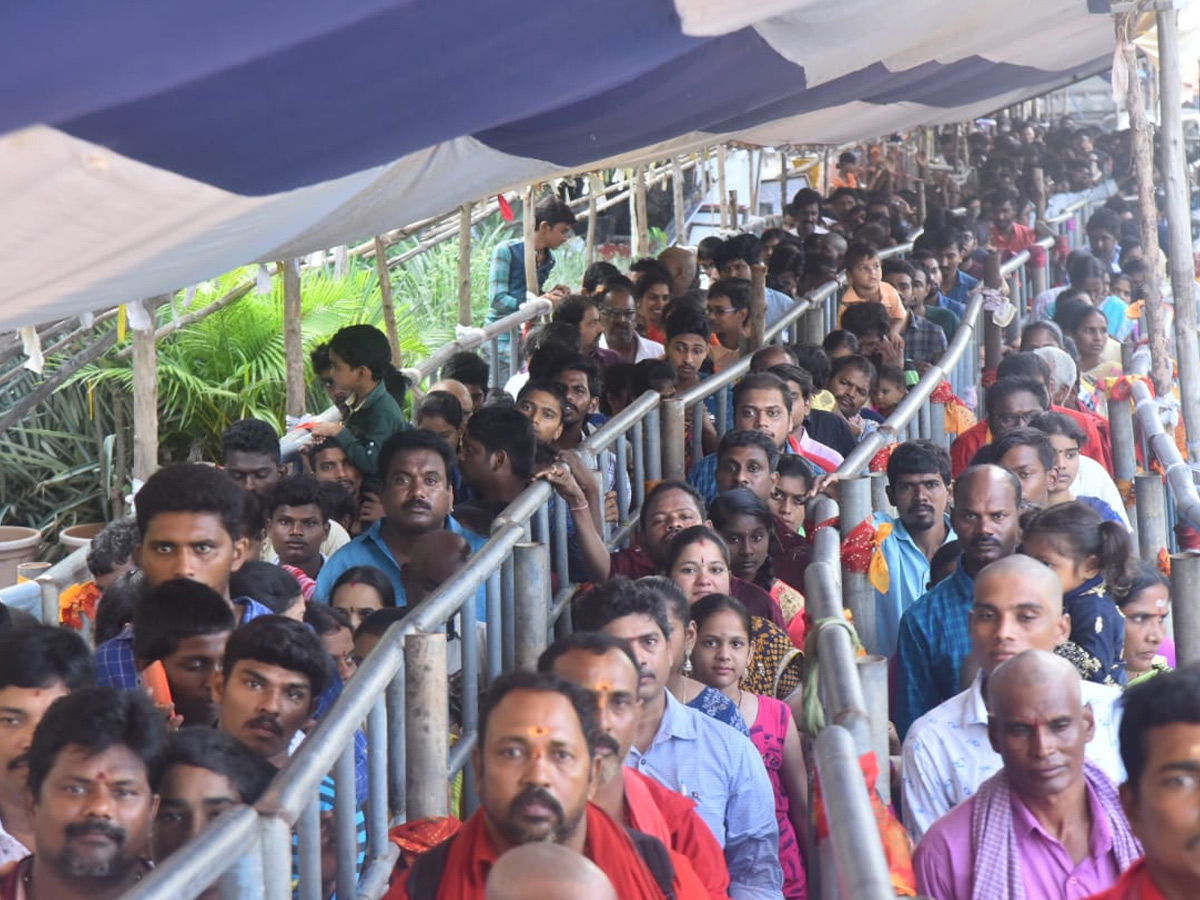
1049, 824
606, 667
537, 769
919, 487
1018, 607
687, 751
94, 768
618, 314
934, 639
418, 498
38, 664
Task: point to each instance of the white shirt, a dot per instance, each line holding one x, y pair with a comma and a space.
947, 754
1093, 480
646, 348
11, 850
334, 541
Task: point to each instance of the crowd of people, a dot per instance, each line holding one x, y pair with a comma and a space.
1043, 746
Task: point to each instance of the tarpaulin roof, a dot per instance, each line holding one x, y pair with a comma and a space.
146, 146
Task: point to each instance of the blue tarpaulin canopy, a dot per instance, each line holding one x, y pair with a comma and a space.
146, 146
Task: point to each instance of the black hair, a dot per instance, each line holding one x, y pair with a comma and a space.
621, 283
115, 609
381, 620
254, 520
1079, 532
1026, 364
326, 619
1140, 578
745, 247
751, 438
839, 193
1104, 218
553, 211
282, 642
175, 610
581, 700
37, 656
1156, 703
220, 752
598, 643
762, 381
596, 274
573, 308
551, 340
113, 546
1006, 387
367, 346
865, 319
661, 488
686, 321
891, 374
675, 601
744, 502
649, 267
648, 375
337, 503
711, 604
758, 359
707, 247
191, 488
839, 337
251, 436
579, 363
553, 388
371, 577
735, 290
271, 585
507, 429
690, 536
95, 719
815, 263
319, 358
1055, 423
442, 405
856, 252
801, 376
298, 490
468, 368
805, 197
410, 441
792, 465
814, 360
858, 363
947, 238
651, 277
616, 598
1026, 437
1033, 328
918, 457
1070, 311
895, 266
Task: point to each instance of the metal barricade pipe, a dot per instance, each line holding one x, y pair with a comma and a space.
234, 833
1185, 586
428, 707
673, 431
854, 495
345, 808
532, 567
861, 866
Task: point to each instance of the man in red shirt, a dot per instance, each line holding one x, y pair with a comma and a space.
606, 667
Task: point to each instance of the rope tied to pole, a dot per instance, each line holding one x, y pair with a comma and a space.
812, 712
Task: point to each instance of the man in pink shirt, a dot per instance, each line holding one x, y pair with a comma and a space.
1049, 825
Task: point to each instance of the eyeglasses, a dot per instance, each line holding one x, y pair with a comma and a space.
617, 314
720, 310
1016, 420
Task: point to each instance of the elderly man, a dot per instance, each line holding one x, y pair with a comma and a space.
934, 638
1160, 743
1018, 607
1049, 824
536, 767
547, 871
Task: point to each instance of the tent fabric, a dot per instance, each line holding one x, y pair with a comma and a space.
146, 146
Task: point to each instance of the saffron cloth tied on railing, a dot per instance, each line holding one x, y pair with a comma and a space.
862, 553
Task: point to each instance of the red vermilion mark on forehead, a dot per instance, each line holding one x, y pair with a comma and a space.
100, 776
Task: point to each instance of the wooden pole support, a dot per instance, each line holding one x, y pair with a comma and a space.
464, 265
680, 210
293, 347
387, 299
595, 188
643, 215
145, 396
721, 187
758, 305
529, 227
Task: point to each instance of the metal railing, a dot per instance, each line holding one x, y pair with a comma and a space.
40, 598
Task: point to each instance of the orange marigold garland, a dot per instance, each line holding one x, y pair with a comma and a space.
77, 601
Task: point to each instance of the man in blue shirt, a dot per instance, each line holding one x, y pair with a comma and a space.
687, 751
735, 259
934, 639
919, 487
956, 284
417, 498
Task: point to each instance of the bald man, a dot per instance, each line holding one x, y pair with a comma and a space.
1017, 607
459, 390
1049, 824
681, 264
547, 872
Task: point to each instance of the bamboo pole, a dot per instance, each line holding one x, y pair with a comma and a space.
386, 299
1179, 228
755, 180
677, 204
529, 216
120, 450
293, 346
594, 183
464, 265
145, 396
734, 214
758, 306
1143, 163
191, 318
721, 187
55, 381
641, 232
783, 181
